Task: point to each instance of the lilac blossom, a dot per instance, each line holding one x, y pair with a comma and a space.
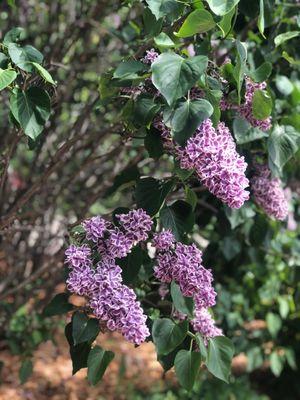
118, 244
205, 324
163, 240
78, 256
150, 56
95, 228
137, 224
212, 154
80, 281
268, 193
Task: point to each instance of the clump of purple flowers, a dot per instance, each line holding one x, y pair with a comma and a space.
212, 154
183, 264
150, 56
110, 300
245, 109
268, 193
163, 240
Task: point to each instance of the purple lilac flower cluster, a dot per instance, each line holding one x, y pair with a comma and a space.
110, 300
245, 109
212, 154
150, 56
268, 193
182, 263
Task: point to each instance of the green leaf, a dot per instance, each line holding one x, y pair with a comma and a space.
163, 41
24, 56
145, 109
262, 72
187, 365
283, 37
219, 356
274, 323
187, 117
154, 144
239, 216
25, 371
255, 359
4, 61
79, 354
240, 67
84, 329
181, 303
178, 217
284, 306
128, 70
173, 75
191, 197
151, 25
225, 23
276, 363
7, 76
167, 335
150, 194
31, 108
131, 265
14, 35
58, 305
198, 21
261, 18
98, 361
259, 230
126, 178
290, 358
162, 8
283, 143
245, 133
261, 105
222, 7
44, 73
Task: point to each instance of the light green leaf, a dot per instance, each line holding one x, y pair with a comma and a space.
284, 85
222, 7
261, 73
198, 21
220, 353
14, 35
173, 75
245, 133
262, 105
187, 365
43, 72
7, 76
276, 363
225, 23
98, 361
283, 37
261, 18
240, 67
163, 8
24, 56
274, 323
163, 41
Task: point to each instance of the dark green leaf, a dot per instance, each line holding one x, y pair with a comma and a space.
154, 144
98, 361
25, 371
173, 75
151, 194
258, 230
31, 108
144, 110
151, 25
239, 216
84, 329
3, 61
178, 217
187, 365
181, 303
131, 265
162, 8
58, 305
219, 356
261, 105
128, 70
79, 354
222, 7
126, 177
167, 335
187, 117
7, 76
198, 21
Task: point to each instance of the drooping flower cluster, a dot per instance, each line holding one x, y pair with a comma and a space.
110, 300
245, 109
205, 324
182, 263
212, 154
268, 193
